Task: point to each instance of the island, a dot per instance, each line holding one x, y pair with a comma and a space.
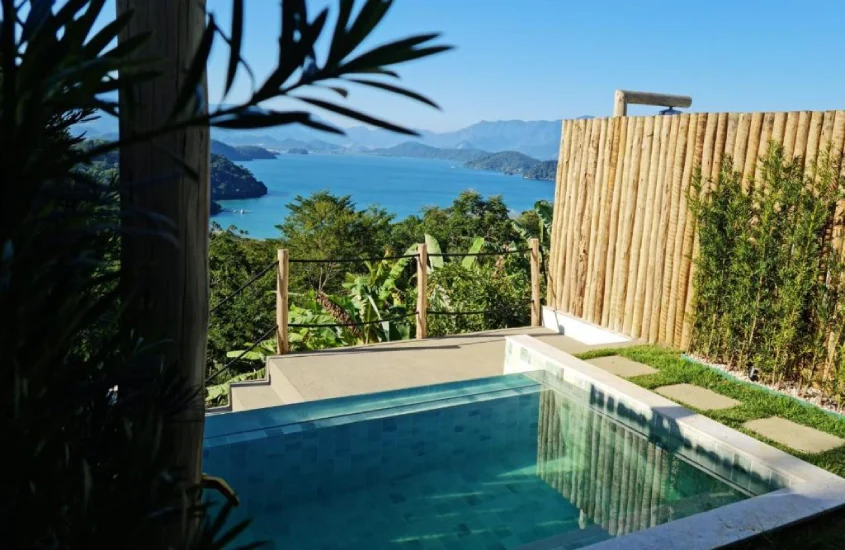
240, 152
297, 151
545, 170
414, 149
228, 180
509, 162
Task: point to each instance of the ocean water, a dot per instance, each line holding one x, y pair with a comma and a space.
402, 186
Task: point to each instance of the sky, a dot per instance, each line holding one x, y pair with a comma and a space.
551, 59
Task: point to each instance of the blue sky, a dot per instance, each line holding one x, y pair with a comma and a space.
548, 59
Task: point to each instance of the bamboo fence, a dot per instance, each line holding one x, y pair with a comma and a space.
623, 240
614, 476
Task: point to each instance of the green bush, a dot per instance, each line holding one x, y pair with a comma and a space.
768, 277
500, 292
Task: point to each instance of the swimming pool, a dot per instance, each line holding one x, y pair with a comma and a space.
494, 463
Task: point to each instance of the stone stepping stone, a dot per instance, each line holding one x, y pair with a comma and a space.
698, 397
621, 366
795, 436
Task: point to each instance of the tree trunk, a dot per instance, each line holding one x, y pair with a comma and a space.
167, 278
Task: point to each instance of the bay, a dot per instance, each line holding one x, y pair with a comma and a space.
402, 186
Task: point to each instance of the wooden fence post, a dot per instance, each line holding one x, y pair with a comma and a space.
422, 286
282, 345
535, 283
620, 106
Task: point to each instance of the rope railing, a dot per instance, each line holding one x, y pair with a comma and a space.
243, 287
476, 254
421, 311
349, 260
228, 365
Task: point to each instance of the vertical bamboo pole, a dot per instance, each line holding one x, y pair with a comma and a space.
558, 213
626, 224
719, 146
801, 134
685, 257
813, 138
672, 228
763, 145
741, 145
535, 282
648, 213
624, 144
789, 133
658, 171
595, 215
838, 143
574, 181
730, 137
706, 167
585, 215
282, 278
751, 157
615, 127
778, 128
827, 131
422, 291
637, 238
665, 175
837, 140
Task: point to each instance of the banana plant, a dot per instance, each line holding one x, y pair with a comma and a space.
436, 262
376, 296
544, 211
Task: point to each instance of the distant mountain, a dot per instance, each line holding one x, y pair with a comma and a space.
546, 170
240, 152
536, 138
418, 150
255, 152
509, 162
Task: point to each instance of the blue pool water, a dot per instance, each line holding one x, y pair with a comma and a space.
402, 186
490, 464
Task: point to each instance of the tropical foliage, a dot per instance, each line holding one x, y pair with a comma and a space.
769, 278
95, 413
335, 303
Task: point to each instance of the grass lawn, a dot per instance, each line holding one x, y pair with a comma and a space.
756, 403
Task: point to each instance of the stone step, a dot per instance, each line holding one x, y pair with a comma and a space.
795, 436
622, 366
698, 397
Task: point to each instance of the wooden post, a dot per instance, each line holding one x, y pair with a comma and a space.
623, 98
535, 282
282, 278
422, 289
620, 106
164, 281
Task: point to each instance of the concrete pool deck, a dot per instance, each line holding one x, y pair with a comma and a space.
341, 372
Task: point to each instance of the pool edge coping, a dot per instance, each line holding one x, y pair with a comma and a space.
811, 492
